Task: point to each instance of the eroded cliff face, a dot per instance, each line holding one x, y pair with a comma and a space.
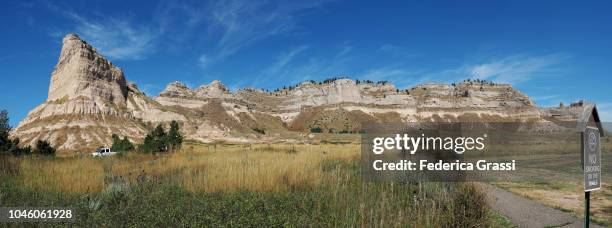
90, 99
87, 102
343, 105
82, 72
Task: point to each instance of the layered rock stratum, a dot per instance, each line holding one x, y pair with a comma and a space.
90, 99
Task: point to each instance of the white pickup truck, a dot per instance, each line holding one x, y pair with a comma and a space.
103, 151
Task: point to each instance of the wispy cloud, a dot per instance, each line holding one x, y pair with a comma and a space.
514, 69
150, 89
519, 68
345, 50
296, 66
242, 23
283, 61
388, 48
117, 38
398, 51
282, 68
219, 28
203, 60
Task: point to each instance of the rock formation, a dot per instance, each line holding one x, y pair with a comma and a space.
82, 72
90, 99
87, 102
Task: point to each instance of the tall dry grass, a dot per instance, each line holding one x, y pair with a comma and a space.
326, 180
198, 168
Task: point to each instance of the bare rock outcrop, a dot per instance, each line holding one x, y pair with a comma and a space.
215, 89
82, 72
177, 89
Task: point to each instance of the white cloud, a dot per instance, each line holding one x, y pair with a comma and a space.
284, 60
513, 69
241, 23
282, 68
517, 69
220, 28
294, 70
117, 38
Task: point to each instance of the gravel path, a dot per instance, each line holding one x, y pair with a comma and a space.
528, 213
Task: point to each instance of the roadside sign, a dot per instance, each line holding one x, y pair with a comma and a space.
591, 159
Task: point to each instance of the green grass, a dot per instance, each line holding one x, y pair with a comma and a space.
498, 220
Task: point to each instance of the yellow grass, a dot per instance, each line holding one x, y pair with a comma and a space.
198, 167
568, 196
62, 175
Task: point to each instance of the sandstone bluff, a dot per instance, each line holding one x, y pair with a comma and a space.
89, 99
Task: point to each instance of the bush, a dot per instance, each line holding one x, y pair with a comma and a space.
259, 130
5, 142
121, 145
175, 139
15, 150
147, 144
316, 130
160, 141
43, 147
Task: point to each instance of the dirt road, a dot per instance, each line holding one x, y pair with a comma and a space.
528, 213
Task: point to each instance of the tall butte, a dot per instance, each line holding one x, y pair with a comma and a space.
82, 72
87, 102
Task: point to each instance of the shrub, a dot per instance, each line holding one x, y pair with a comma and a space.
15, 150
175, 139
5, 142
160, 141
259, 130
147, 144
121, 145
316, 130
43, 147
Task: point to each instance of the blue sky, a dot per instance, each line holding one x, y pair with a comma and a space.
552, 50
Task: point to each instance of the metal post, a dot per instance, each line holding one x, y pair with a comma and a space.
587, 199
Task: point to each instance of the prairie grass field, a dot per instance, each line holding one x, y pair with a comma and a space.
237, 185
